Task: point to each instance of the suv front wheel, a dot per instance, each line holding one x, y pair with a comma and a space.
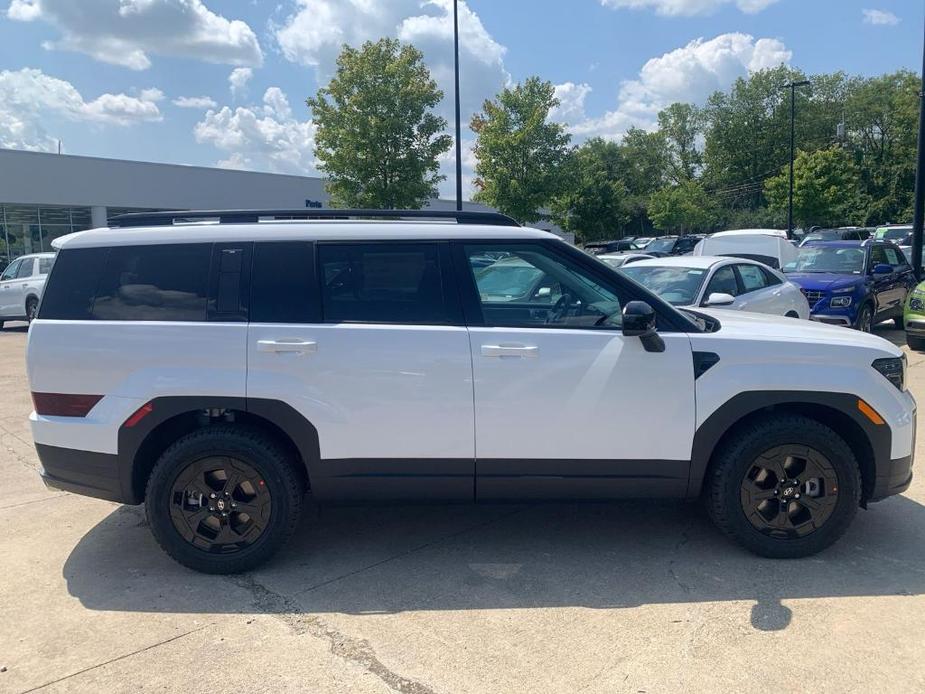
784, 486
223, 499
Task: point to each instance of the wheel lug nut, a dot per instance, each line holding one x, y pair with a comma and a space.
796, 496
212, 495
211, 508
234, 506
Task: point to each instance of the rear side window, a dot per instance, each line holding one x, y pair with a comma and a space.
45, 265
382, 283
72, 283
283, 286
752, 278
154, 283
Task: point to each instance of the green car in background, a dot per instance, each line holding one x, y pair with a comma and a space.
914, 318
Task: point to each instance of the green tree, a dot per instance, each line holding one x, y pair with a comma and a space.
681, 127
645, 161
594, 202
519, 153
826, 189
683, 208
377, 139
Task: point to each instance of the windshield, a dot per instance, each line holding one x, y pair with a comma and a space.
830, 235
661, 245
679, 286
836, 259
894, 234
511, 281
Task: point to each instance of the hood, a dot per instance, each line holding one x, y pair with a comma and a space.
764, 326
824, 281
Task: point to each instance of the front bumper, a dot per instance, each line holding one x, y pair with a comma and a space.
892, 478
916, 325
832, 319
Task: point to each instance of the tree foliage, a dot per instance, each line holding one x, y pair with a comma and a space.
519, 152
826, 189
377, 139
683, 208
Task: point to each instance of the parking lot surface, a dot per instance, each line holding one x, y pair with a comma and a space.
628, 597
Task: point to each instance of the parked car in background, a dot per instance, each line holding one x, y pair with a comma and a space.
621, 259
732, 283
771, 249
21, 285
640, 242
842, 234
672, 245
853, 283
893, 232
914, 318
749, 232
601, 247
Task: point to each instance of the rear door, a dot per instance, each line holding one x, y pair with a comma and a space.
757, 295
8, 304
565, 405
366, 342
887, 289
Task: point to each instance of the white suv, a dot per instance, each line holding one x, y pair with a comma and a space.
219, 371
21, 286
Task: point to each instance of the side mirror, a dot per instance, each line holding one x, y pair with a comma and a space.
882, 269
719, 299
639, 321
544, 291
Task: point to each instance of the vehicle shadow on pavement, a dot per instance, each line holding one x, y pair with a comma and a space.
418, 558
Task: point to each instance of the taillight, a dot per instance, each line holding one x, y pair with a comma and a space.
64, 404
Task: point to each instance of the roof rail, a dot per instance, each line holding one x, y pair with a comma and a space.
142, 219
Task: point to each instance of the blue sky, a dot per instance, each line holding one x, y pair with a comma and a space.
107, 77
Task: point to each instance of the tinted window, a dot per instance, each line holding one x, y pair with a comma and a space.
72, 283
893, 256
877, 256
283, 287
45, 265
770, 279
536, 287
11, 270
159, 282
723, 282
752, 278
382, 283
25, 268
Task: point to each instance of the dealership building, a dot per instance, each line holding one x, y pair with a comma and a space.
43, 196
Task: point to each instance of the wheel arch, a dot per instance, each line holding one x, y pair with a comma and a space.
173, 417
839, 411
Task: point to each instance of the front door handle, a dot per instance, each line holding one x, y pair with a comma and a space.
297, 346
510, 351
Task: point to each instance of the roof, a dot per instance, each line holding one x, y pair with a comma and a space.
340, 230
699, 262
836, 244
738, 232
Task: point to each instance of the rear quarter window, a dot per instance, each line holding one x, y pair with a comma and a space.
72, 283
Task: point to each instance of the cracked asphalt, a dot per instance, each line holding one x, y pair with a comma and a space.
632, 597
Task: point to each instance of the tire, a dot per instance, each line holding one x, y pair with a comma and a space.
32, 307
865, 319
916, 343
791, 314
730, 482
270, 485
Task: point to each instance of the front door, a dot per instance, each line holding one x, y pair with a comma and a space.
10, 290
565, 405
366, 342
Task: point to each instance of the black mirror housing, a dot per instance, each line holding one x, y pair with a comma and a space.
639, 320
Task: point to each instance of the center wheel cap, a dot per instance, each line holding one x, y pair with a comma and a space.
220, 504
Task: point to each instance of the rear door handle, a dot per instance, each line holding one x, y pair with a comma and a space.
297, 346
510, 351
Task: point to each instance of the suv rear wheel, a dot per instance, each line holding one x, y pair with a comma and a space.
223, 499
784, 486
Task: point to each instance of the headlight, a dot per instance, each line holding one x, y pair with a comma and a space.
893, 370
916, 304
840, 301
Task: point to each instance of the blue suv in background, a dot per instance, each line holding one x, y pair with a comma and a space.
853, 283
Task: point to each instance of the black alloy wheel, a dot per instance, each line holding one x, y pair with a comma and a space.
32, 309
865, 319
220, 504
790, 491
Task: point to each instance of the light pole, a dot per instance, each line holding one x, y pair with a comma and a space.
792, 86
458, 126
918, 215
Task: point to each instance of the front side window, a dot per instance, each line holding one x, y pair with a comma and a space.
893, 256
723, 282
382, 283
753, 278
10, 272
677, 285
154, 283
533, 286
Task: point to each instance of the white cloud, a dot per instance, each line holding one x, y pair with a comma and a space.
689, 74
125, 32
238, 79
571, 98
688, 8
266, 137
200, 102
29, 99
880, 17
314, 33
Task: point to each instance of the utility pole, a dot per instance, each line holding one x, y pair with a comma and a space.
458, 126
792, 86
919, 208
